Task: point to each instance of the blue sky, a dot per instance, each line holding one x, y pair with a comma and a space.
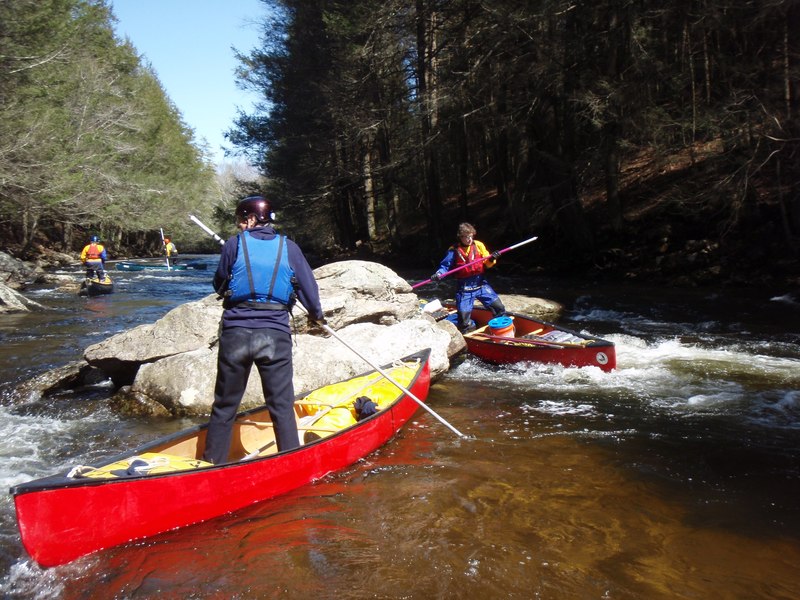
189, 44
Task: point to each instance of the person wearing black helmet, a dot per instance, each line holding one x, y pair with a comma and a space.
260, 274
94, 256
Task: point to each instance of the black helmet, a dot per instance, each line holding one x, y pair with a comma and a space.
258, 206
94, 238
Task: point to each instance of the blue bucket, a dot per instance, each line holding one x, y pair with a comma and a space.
502, 326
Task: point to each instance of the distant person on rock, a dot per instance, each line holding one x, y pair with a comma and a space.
260, 274
94, 256
472, 284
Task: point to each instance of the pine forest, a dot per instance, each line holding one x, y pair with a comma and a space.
633, 136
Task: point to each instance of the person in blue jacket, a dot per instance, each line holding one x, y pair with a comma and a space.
260, 275
472, 284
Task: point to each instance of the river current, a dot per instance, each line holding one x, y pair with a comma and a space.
675, 476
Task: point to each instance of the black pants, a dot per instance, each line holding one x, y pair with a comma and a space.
239, 349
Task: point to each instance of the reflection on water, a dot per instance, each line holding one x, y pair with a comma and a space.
509, 514
675, 476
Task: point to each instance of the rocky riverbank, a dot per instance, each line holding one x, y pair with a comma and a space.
17, 275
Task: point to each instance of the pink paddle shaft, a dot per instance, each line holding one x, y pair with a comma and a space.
477, 260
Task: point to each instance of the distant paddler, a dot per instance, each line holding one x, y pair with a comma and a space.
171, 250
94, 256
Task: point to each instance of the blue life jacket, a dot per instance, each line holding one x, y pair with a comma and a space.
261, 275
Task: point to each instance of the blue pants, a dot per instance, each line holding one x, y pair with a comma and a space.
95, 268
465, 300
239, 349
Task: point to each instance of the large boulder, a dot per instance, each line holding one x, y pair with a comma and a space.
14, 272
357, 291
12, 301
169, 367
183, 384
72, 376
188, 327
351, 291
538, 308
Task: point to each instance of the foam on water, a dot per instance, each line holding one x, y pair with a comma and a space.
668, 375
786, 299
34, 445
26, 580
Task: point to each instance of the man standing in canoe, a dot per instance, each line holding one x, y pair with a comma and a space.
260, 275
94, 256
472, 284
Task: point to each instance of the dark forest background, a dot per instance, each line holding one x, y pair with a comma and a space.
642, 139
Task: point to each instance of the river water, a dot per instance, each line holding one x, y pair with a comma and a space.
675, 476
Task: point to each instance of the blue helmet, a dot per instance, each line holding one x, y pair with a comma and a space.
94, 238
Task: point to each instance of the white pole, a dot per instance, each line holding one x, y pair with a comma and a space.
164, 243
207, 230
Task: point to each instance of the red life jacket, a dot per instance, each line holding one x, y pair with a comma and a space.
94, 252
467, 256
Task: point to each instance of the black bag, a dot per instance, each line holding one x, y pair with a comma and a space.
364, 408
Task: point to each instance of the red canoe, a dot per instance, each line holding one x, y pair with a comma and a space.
164, 485
537, 341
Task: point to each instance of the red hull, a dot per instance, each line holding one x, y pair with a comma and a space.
589, 352
61, 519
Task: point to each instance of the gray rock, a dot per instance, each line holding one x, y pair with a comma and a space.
188, 327
538, 308
169, 367
69, 284
14, 272
351, 291
12, 301
184, 383
357, 291
68, 377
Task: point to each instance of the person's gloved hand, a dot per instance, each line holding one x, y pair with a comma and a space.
321, 321
436, 277
496, 254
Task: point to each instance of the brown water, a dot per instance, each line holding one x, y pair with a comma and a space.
534, 507
676, 476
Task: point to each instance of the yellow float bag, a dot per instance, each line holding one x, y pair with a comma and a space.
335, 403
148, 463
374, 385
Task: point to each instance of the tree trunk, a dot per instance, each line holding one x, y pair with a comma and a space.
389, 188
369, 195
428, 118
501, 174
611, 165
618, 58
